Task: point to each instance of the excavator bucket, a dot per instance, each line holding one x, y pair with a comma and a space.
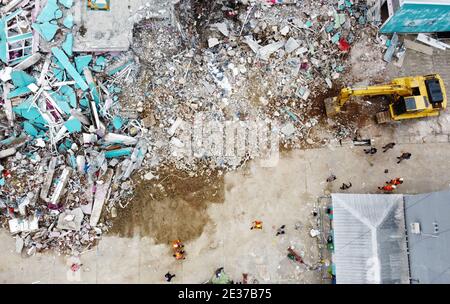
383, 117
330, 106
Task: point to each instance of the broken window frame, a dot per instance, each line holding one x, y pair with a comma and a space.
22, 41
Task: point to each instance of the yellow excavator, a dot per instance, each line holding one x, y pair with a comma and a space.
411, 97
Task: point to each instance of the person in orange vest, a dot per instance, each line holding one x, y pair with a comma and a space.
388, 188
256, 225
177, 244
396, 181
179, 255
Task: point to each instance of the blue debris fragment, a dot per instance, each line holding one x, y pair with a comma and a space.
120, 68
100, 61
64, 60
73, 161
73, 125
66, 3
3, 44
336, 37
50, 12
59, 73
29, 111
118, 153
21, 79
68, 21
117, 122
64, 146
47, 30
82, 61
84, 103
62, 102
19, 92
100, 64
68, 45
70, 94
30, 129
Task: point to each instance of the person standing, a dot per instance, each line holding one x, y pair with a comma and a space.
256, 225
396, 181
371, 151
388, 146
169, 276
345, 186
405, 155
281, 230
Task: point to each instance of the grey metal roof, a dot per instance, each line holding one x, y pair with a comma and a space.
429, 251
369, 239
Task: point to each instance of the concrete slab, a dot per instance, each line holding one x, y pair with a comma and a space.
111, 30
418, 47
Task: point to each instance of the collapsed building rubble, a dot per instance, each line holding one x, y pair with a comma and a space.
243, 61
63, 138
80, 117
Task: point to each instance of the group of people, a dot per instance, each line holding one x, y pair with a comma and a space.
392, 184
405, 155
178, 251
258, 226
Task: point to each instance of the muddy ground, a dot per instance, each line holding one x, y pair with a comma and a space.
172, 207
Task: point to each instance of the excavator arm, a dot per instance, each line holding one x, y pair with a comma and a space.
333, 105
414, 97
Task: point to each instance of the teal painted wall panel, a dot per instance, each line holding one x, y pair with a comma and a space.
419, 18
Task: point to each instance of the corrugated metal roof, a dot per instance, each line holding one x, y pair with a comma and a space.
369, 239
429, 251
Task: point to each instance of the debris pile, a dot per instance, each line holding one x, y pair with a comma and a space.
242, 61
67, 152
78, 121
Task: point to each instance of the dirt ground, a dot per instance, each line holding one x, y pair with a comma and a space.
283, 195
170, 207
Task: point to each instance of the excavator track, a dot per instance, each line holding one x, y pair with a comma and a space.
384, 117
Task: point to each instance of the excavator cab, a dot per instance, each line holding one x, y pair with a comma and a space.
428, 98
409, 105
412, 97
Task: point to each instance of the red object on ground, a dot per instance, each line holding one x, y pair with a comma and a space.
75, 267
297, 257
344, 45
231, 13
